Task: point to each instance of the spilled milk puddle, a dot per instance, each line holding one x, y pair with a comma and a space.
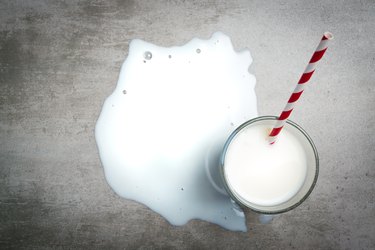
161, 132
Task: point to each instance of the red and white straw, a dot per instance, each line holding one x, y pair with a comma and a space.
310, 69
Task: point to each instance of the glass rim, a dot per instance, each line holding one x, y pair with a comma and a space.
237, 197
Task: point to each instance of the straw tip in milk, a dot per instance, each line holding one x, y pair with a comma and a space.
328, 35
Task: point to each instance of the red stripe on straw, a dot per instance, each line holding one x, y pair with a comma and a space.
305, 77
318, 54
295, 96
285, 114
275, 131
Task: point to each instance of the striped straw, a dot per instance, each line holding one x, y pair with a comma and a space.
310, 69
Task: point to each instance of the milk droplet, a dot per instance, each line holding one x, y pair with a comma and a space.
147, 55
164, 145
265, 218
198, 51
124, 92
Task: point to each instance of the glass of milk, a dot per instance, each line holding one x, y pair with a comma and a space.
269, 179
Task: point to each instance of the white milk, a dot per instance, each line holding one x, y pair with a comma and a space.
261, 173
167, 122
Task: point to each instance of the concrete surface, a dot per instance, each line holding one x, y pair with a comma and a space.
59, 60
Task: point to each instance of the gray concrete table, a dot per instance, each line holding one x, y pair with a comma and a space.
59, 60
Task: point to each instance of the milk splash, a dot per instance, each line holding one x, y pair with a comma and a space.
161, 132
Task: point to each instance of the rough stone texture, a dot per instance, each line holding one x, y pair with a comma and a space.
59, 60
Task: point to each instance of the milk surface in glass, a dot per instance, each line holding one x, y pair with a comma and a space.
261, 173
